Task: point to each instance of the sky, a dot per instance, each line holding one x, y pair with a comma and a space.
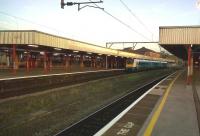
94, 25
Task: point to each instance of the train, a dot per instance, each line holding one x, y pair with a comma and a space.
134, 65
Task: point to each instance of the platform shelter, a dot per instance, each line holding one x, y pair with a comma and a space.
184, 42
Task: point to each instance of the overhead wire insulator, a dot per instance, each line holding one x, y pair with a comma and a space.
70, 3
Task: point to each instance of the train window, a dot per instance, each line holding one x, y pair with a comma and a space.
129, 61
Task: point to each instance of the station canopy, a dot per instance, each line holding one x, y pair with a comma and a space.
176, 39
22, 38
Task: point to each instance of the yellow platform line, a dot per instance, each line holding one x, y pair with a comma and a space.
156, 115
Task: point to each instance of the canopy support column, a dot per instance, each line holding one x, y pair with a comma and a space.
190, 68
45, 62
106, 62
81, 62
14, 59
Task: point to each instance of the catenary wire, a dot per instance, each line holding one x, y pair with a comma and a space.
123, 23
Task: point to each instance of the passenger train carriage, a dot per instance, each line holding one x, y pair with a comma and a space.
133, 65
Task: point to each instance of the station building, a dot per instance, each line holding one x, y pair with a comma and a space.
144, 51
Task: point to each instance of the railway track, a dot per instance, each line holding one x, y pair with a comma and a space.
91, 124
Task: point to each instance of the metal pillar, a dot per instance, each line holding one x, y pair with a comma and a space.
32, 61
106, 62
66, 62
95, 61
8, 59
111, 62
50, 66
27, 62
69, 62
36, 61
124, 62
189, 71
191, 65
116, 62
14, 59
90, 60
81, 62
45, 62
102, 62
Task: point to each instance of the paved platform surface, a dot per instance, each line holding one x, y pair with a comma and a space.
131, 123
37, 72
196, 79
177, 116
8, 73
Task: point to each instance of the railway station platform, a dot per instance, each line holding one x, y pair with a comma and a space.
169, 109
7, 73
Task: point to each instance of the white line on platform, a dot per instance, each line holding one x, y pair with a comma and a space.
112, 122
58, 74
